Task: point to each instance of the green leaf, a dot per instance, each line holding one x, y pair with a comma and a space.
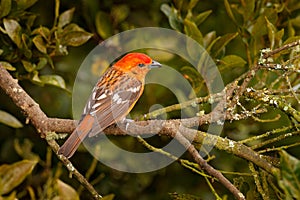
42, 63
192, 4
166, 9
54, 80
5, 6
291, 39
24, 4
201, 17
209, 38
108, 197
7, 66
248, 10
212, 43
287, 41
103, 25
289, 179
43, 31
73, 27
220, 44
65, 191
191, 29
14, 174
120, 13
192, 75
12, 196
271, 33
291, 30
296, 21
13, 30
260, 28
75, 38
278, 36
40, 44
65, 18
49, 60
229, 11
30, 20
25, 42
9, 120
230, 61
35, 78
29, 67
174, 20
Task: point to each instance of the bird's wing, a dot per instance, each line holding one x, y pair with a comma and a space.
109, 106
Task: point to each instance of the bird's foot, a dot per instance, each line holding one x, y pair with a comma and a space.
127, 121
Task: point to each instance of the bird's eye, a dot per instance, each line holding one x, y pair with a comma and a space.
141, 65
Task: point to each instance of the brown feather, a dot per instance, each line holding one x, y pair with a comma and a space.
111, 112
73, 142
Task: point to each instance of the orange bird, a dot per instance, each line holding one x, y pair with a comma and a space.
112, 98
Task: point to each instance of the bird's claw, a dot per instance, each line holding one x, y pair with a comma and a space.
127, 121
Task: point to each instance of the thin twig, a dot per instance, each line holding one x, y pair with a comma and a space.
257, 182
276, 139
271, 53
204, 165
267, 134
230, 146
185, 163
279, 148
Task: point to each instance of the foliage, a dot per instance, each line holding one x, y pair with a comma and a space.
289, 177
13, 175
237, 35
28, 49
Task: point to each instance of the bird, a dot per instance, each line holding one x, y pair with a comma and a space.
111, 99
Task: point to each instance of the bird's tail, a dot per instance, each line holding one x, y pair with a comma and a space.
74, 140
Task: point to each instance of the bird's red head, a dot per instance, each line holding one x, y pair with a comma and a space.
136, 61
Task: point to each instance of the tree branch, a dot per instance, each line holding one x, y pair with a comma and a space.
203, 164
40, 121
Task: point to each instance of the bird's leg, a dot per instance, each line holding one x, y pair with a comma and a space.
127, 121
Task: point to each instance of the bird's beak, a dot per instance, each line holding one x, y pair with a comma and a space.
154, 64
